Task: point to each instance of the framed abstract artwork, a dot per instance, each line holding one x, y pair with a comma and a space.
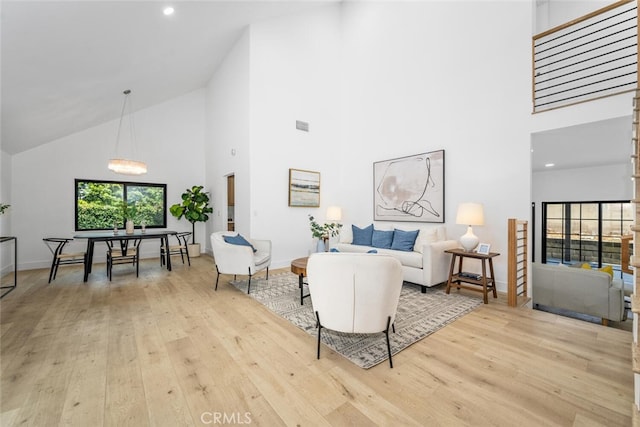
409, 188
304, 188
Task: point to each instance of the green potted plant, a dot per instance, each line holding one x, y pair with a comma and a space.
128, 213
194, 208
323, 232
3, 208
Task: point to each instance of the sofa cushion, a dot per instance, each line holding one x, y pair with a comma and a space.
362, 236
238, 240
406, 258
606, 268
404, 240
382, 238
426, 235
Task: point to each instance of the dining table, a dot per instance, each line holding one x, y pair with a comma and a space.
105, 236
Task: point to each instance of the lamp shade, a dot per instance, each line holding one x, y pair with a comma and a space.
470, 214
334, 213
127, 167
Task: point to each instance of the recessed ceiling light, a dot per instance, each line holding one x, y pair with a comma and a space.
549, 165
168, 10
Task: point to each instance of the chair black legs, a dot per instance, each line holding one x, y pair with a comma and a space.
319, 331
54, 270
235, 278
386, 333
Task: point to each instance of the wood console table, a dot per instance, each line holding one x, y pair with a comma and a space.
480, 284
11, 287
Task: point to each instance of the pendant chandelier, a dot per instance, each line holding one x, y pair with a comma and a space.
121, 165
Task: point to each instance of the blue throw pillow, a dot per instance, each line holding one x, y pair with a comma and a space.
362, 236
382, 239
404, 240
238, 240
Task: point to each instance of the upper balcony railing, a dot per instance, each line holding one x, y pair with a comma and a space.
588, 58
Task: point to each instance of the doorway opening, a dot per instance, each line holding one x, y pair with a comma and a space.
231, 202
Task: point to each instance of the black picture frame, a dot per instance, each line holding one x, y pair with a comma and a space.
409, 188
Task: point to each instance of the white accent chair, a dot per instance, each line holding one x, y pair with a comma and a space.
239, 259
355, 293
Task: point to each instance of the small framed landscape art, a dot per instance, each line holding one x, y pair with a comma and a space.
304, 188
409, 188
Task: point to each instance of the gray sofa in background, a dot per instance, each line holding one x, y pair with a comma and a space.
579, 290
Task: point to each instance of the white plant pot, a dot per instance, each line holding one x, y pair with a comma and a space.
194, 250
129, 226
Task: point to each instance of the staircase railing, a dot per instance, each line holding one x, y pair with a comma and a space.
635, 260
518, 257
588, 58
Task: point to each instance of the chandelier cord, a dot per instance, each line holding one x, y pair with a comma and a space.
127, 99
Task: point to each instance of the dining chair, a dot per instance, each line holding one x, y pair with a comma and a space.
123, 252
57, 245
180, 248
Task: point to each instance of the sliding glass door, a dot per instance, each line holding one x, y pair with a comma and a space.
579, 232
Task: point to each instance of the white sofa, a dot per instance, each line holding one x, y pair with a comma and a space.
426, 265
579, 290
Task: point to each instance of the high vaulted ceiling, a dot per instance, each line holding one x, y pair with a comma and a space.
65, 64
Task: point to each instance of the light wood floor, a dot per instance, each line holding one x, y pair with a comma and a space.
166, 350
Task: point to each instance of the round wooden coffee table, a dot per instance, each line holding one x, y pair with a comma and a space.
299, 267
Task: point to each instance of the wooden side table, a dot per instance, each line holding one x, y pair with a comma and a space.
465, 281
299, 267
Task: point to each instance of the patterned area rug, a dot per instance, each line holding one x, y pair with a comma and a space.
418, 316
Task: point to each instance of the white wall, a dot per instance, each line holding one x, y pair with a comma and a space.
170, 138
295, 75
280, 71
227, 137
606, 182
6, 249
415, 83
552, 13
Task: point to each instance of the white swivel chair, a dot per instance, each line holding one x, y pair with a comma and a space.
240, 259
354, 292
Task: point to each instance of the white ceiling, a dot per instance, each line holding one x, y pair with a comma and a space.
65, 64
605, 142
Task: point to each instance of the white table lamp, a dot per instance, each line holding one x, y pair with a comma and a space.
470, 214
334, 213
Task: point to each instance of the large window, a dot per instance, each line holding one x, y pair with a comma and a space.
585, 232
101, 205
